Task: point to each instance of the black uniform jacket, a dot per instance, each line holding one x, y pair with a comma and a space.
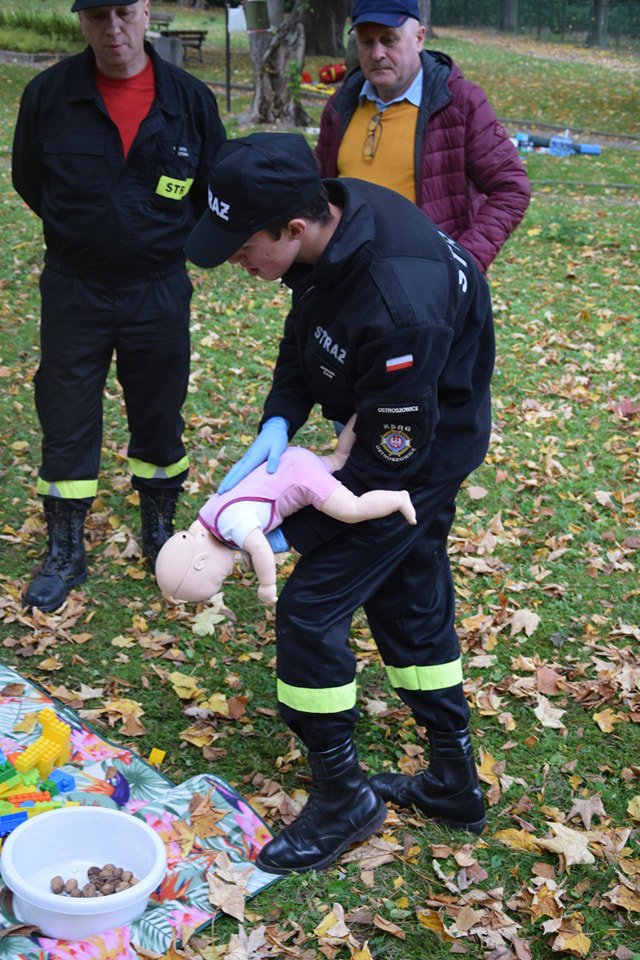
394, 322
105, 217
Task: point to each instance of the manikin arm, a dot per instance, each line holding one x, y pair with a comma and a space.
344, 505
337, 459
264, 564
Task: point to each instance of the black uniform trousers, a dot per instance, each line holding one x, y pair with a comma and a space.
146, 323
401, 576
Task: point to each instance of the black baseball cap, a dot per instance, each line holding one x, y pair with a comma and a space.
390, 13
87, 4
256, 181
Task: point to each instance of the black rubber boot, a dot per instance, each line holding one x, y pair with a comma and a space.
342, 809
157, 511
64, 565
448, 791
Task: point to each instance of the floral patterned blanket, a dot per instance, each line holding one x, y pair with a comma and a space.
205, 824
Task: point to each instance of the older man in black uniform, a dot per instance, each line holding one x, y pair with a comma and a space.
390, 320
112, 151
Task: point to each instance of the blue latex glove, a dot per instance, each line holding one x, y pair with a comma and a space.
277, 541
268, 446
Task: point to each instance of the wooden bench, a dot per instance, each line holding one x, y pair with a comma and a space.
190, 39
161, 19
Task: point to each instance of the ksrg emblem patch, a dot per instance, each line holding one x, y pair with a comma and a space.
395, 445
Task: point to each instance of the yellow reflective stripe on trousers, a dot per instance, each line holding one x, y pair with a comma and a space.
67, 489
437, 677
313, 700
150, 471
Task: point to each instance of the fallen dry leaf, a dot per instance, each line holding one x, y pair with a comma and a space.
570, 844
333, 926
228, 886
518, 839
524, 621
388, 927
548, 715
433, 921
586, 809
373, 853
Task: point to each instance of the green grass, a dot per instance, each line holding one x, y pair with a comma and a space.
34, 28
561, 482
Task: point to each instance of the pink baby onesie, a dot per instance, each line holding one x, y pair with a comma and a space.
263, 499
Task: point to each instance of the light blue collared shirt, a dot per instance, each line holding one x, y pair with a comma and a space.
413, 94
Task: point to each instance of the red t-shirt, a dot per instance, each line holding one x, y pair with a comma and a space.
128, 100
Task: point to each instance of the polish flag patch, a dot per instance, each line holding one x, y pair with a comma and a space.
399, 363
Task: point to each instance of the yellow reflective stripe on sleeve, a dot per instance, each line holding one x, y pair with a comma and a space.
437, 677
173, 189
312, 700
150, 471
67, 489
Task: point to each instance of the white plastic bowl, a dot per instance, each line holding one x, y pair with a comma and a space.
66, 842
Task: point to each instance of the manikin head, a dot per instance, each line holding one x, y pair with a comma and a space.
192, 564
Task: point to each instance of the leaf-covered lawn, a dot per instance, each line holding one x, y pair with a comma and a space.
545, 554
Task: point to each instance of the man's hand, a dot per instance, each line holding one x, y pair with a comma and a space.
268, 446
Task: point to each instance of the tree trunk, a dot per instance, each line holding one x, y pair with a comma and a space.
276, 98
351, 58
324, 22
598, 33
259, 43
508, 15
425, 16
276, 13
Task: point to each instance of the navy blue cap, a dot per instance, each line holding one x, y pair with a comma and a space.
88, 4
390, 13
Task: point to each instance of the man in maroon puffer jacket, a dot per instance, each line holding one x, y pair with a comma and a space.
407, 119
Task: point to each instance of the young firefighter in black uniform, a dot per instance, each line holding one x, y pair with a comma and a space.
390, 319
112, 151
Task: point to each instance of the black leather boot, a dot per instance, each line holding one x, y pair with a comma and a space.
448, 791
157, 511
64, 565
342, 809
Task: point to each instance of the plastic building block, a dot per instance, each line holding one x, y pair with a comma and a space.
64, 781
56, 730
10, 821
47, 757
8, 783
20, 799
7, 771
156, 757
51, 749
51, 786
43, 807
22, 787
20, 791
28, 759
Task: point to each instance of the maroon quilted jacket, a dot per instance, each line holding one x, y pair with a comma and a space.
469, 178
